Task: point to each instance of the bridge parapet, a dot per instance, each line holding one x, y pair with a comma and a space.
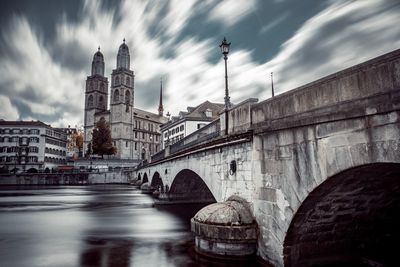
375, 77
239, 116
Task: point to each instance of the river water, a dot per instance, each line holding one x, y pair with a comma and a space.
101, 225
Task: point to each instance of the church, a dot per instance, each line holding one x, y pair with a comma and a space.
135, 132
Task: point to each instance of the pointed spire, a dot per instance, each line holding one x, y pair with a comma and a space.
124, 40
160, 106
272, 84
98, 49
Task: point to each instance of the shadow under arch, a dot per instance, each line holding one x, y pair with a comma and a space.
145, 179
156, 181
188, 185
351, 218
140, 176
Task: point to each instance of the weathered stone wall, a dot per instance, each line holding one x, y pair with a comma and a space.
213, 167
240, 116
291, 163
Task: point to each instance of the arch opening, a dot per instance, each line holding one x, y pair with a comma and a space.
156, 182
189, 186
140, 176
145, 178
351, 218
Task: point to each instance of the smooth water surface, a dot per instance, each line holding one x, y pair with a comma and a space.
101, 225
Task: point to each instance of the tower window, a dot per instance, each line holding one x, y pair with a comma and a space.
101, 101
117, 80
126, 144
128, 81
90, 100
116, 95
127, 99
102, 87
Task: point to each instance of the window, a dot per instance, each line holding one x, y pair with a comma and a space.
116, 95
101, 87
135, 145
177, 130
90, 100
117, 80
165, 134
126, 144
135, 134
181, 128
128, 81
101, 101
173, 131
143, 135
127, 99
156, 138
208, 113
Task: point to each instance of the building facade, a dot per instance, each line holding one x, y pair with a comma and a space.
188, 122
135, 133
31, 145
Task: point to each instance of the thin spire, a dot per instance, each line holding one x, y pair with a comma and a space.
272, 84
124, 39
160, 106
98, 49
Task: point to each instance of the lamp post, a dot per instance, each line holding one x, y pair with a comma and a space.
225, 51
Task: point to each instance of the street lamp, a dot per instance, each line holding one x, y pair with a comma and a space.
225, 51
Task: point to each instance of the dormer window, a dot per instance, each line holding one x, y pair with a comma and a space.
208, 113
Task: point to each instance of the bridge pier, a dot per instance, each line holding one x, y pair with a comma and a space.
225, 229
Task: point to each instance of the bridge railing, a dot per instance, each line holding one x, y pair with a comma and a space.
208, 132
203, 135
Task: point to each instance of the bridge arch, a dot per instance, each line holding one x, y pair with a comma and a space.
350, 217
187, 184
156, 181
145, 178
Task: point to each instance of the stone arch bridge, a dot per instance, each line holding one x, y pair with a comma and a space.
320, 166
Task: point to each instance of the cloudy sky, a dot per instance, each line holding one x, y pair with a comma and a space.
46, 48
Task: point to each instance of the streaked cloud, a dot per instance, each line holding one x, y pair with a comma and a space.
44, 78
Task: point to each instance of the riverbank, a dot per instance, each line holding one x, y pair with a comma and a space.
86, 178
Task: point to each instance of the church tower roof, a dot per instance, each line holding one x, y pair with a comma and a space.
160, 106
123, 57
98, 63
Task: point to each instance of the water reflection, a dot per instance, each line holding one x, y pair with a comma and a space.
94, 226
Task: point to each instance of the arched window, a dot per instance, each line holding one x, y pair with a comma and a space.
127, 99
101, 87
128, 81
101, 101
90, 101
116, 95
91, 86
117, 80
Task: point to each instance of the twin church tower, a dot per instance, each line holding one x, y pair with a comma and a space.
135, 133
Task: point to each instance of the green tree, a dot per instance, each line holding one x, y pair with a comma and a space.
101, 139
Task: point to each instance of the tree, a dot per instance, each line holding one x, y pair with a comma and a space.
79, 142
101, 139
75, 142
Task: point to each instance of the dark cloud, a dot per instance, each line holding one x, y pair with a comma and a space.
71, 55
